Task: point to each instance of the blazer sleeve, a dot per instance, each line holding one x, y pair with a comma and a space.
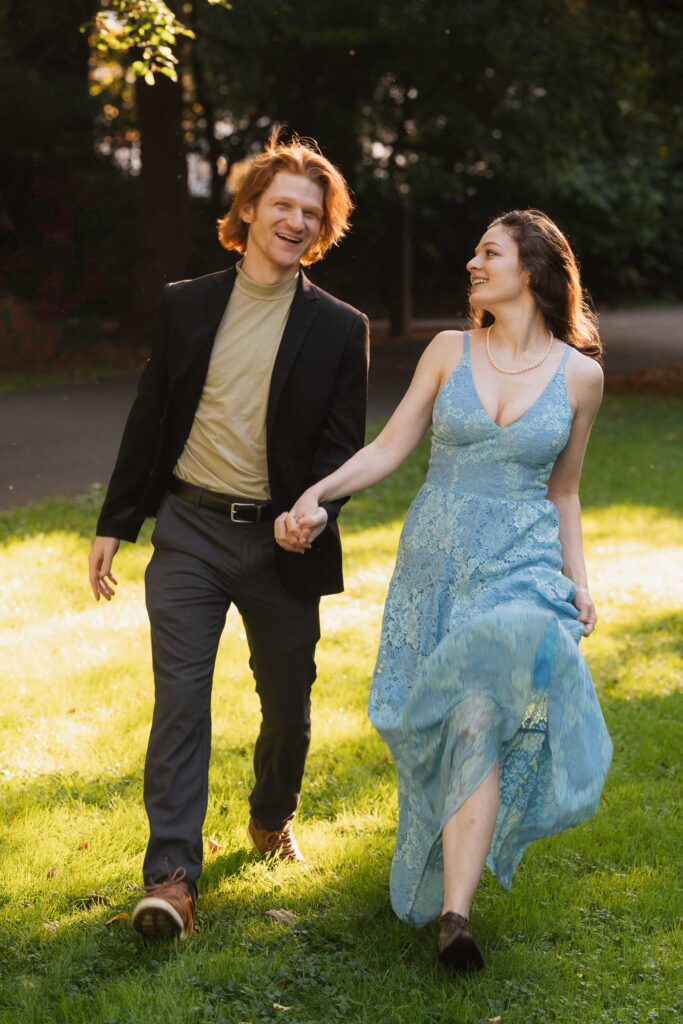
344, 431
120, 516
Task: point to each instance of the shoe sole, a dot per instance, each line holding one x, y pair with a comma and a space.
462, 954
156, 919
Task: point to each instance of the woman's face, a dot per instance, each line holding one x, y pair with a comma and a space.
496, 276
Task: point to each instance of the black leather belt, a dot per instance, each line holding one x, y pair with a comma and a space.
236, 509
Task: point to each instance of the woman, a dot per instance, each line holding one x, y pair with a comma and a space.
480, 689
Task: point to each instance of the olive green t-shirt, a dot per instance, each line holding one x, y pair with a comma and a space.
226, 448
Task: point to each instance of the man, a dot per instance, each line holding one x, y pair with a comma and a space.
255, 388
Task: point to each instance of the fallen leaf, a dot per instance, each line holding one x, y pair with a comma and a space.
94, 897
53, 871
71, 711
282, 916
115, 918
51, 926
494, 1020
213, 848
83, 846
279, 1006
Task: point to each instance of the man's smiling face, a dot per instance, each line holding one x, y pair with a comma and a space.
283, 225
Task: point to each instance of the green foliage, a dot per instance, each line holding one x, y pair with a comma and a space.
453, 111
147, 27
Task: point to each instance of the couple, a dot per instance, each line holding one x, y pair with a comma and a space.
245, 439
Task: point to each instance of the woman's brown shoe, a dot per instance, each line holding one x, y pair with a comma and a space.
458, 949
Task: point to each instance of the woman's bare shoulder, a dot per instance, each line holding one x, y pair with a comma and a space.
446, 348
584, 368
585, 378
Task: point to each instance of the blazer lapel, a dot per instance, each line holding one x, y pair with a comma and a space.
303, 312
202, 338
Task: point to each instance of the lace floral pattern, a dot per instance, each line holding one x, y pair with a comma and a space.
478, 659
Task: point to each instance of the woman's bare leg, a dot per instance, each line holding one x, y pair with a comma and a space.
466, 841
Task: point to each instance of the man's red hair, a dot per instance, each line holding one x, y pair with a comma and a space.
300, 156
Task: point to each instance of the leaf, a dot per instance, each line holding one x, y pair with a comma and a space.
213, 848
494, 1020
282, 916
116, 918
279, 1006
83, 846
53, 871
71, 711
51, 926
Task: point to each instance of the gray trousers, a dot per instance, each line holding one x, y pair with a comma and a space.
201, 563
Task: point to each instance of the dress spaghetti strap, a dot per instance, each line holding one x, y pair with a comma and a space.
565, 357
466, 345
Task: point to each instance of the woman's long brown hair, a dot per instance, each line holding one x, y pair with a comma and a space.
554, 280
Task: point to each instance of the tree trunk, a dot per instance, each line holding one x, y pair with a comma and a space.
163, 199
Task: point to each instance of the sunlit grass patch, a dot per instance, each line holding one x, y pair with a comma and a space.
591, 932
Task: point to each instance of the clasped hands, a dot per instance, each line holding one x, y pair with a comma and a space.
296, 530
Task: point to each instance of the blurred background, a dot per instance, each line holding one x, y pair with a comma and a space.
124, 124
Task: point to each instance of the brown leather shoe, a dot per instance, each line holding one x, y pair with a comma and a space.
458, 949
278, 843
166, 911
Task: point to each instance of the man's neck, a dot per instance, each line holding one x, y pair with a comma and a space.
266, 273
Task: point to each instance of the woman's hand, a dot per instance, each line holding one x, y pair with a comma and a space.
587, 613
296, 530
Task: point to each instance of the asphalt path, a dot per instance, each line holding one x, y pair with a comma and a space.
60, 441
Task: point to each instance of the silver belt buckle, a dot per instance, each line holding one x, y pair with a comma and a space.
234, 515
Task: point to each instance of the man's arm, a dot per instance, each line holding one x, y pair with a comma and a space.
342, 436
119, 516
344, 431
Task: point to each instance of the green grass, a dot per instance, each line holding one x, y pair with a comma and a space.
592, 930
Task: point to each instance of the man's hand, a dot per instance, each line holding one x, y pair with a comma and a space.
297, 529
99, 564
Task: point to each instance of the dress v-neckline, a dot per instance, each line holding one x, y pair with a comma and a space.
498, 426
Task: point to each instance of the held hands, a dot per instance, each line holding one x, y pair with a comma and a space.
100, 559
296, 530
587, 613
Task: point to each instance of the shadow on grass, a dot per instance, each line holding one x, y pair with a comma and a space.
346, 947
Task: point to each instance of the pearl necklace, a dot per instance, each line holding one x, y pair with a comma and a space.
524, 369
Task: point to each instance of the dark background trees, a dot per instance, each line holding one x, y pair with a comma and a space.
441, 115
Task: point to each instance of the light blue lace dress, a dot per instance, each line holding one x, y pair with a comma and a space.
479, 656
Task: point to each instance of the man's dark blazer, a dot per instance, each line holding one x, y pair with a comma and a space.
315, 419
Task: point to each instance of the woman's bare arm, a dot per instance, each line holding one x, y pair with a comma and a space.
586, 383
296, 530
